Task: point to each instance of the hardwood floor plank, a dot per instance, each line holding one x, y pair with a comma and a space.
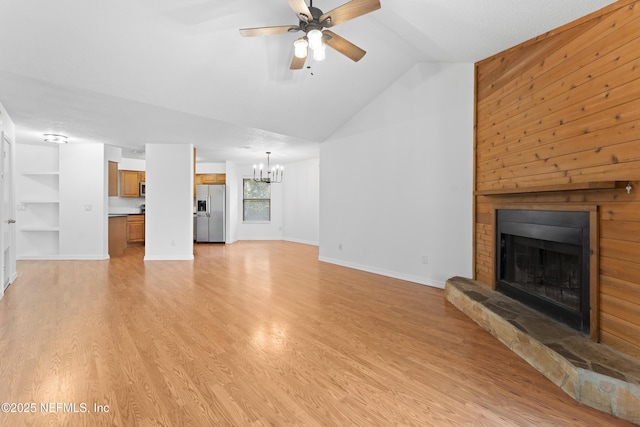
257, 333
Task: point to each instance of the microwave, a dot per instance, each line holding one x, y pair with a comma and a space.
143, 189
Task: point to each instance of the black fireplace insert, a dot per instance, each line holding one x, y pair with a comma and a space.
542, 260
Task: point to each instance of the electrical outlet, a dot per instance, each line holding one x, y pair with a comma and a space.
339, 246
425, 259
87, 207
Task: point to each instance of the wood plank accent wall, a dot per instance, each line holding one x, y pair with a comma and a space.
555, 112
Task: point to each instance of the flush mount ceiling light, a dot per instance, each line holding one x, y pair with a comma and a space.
274, 175
55, 139
315, 23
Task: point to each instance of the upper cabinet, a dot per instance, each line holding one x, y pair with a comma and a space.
211, 178
113, 179
208, 178
130, 183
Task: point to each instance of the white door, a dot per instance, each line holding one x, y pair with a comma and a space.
7, 212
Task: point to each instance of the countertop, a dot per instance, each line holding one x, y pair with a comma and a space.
116, 215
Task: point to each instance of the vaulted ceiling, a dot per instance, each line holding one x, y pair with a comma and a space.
131, 72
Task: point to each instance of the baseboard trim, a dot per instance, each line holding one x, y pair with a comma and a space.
169, 258
62, 258
304, 242
393, 274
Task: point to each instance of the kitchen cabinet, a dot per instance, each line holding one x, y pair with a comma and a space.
212, 178
135, 230
117, 235
113, 179
130, 183
208, 178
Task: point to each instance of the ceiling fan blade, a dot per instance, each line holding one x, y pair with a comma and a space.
343, 46
350, 10
297, 63
262, 31
301, 9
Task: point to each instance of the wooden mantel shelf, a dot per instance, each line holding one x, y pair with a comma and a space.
599, 185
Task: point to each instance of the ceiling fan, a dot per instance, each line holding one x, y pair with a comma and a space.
314, 23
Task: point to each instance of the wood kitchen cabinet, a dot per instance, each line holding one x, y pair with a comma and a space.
212, 178
130, 183
208, 178
117, 235
135, 230
113, 179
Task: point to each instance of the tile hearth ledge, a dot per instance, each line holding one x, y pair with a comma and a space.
591, 373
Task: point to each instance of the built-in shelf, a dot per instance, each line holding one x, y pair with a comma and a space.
40, 173
34, 201
38, 203
600, 185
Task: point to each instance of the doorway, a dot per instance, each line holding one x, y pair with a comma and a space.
8, 239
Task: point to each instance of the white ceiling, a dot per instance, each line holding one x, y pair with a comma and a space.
131, 72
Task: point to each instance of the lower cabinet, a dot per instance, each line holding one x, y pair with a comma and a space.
117, 235
135, 230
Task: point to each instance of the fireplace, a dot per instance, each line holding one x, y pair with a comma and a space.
542, 260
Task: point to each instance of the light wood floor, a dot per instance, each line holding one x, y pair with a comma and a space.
256, 333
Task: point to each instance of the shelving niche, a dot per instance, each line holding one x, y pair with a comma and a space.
38, 203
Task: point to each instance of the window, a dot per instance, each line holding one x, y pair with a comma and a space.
256, 200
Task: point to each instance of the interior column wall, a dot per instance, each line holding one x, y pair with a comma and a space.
169, 202
82, 201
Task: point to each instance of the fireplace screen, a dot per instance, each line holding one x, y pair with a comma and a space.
543, 261
548, 269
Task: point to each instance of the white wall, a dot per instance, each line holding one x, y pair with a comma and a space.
6, 124
272, 230
233, 214
112, 154
169, 202
129, 164
83, 228
396, 180
79, 216
211, 168
301, 209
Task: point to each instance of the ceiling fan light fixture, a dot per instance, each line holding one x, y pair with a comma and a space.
315, 39
300, 47
320, 53
315, 24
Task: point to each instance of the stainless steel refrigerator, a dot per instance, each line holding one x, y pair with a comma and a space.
210, 223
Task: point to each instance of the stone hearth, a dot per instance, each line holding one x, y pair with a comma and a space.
591, 373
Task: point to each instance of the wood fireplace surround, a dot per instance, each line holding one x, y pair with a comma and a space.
557, 127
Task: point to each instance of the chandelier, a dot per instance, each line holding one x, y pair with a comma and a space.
274, 175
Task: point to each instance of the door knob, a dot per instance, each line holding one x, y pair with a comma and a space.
11, 221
